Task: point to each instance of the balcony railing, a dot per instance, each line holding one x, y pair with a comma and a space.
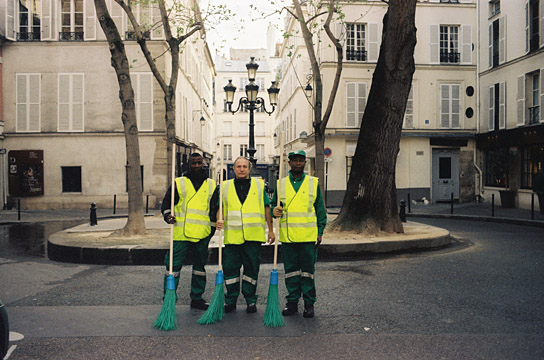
355, 55
29, 36
70, 36
534, 114
131, 35
449, 57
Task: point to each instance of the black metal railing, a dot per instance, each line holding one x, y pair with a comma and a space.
70, 36
534, 114
29, 36
131, 35
355, 55
450, 57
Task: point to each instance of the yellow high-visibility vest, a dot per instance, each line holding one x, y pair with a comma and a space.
298, 222
192, 211
244, 222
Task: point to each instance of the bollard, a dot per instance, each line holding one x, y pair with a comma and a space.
532, 206
18, 209
114, 203
451, 202
402, 212
492, 205
93, 220
147, 204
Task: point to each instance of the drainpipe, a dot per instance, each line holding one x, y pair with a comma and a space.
480, 190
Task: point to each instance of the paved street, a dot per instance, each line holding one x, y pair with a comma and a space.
478, 299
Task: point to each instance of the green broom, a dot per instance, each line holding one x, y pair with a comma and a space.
216, 309
272, 314
167, 319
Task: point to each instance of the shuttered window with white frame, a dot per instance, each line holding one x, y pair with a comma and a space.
28, 102
408, 122
355, 103
71, 95
450, 106
142, 83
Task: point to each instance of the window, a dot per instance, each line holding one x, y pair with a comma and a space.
449, 44
532, 38
243, 150
227, 152
497, 106
227, 128
225, 106
260, 152
532, 162
29, 20
141, 12
28, 105
71, 20
409, 112
356, 103
497, 42
259, 128
71, 178
142, 83
449, 106
71, 95
534, 108
355, 42
494, 7
530, 98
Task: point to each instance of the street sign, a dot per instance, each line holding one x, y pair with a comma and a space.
327, 152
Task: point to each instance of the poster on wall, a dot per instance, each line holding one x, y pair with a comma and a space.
25, 173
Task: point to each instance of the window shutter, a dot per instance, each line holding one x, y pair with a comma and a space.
116, 13
521, 100
541, 94
502, 40
64, 102
361, 102
373, 42
78, 91
490, 45
351, 113
11, 15
527, 35
21, 97
455, 106
145, 102
90, 21
541, 44
409, 112
466, 45
156, 21
434, 45
444, 106
47, 20
502, 105
34, 102
491, 108
339, 33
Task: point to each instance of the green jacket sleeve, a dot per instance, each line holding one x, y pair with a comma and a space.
320, 212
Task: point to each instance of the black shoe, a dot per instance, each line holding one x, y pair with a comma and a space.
308, 311
199, 304
290, 309
230, 308
251, 308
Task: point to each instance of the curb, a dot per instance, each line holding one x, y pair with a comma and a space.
502, 220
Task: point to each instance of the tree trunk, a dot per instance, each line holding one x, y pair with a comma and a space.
135, 223
370, 202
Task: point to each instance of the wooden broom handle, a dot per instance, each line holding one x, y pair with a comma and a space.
220, 217
171, 257
278, 202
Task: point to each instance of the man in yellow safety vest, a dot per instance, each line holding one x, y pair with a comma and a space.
193, 228
302, 220
246, 209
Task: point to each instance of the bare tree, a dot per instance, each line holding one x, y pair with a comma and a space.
370, 201
119, 61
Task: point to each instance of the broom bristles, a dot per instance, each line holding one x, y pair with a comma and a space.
216, 309
272, 314
167, 319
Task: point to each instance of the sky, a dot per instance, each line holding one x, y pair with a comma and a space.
241, 32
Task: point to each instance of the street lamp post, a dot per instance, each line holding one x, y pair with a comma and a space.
252, 102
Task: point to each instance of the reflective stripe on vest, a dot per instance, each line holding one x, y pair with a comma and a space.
244, 222
299, 221
193, 210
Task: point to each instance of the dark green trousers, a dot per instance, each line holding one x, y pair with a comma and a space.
299, 264
199, 252
247, 255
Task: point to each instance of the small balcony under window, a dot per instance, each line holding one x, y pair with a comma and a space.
131, 35
534, 115
29, 36
449, 57
355, 55
70, 36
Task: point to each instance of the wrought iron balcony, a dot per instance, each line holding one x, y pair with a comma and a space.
534, 115
355, 55
70, 36
449, 57
29, 36
131, 35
